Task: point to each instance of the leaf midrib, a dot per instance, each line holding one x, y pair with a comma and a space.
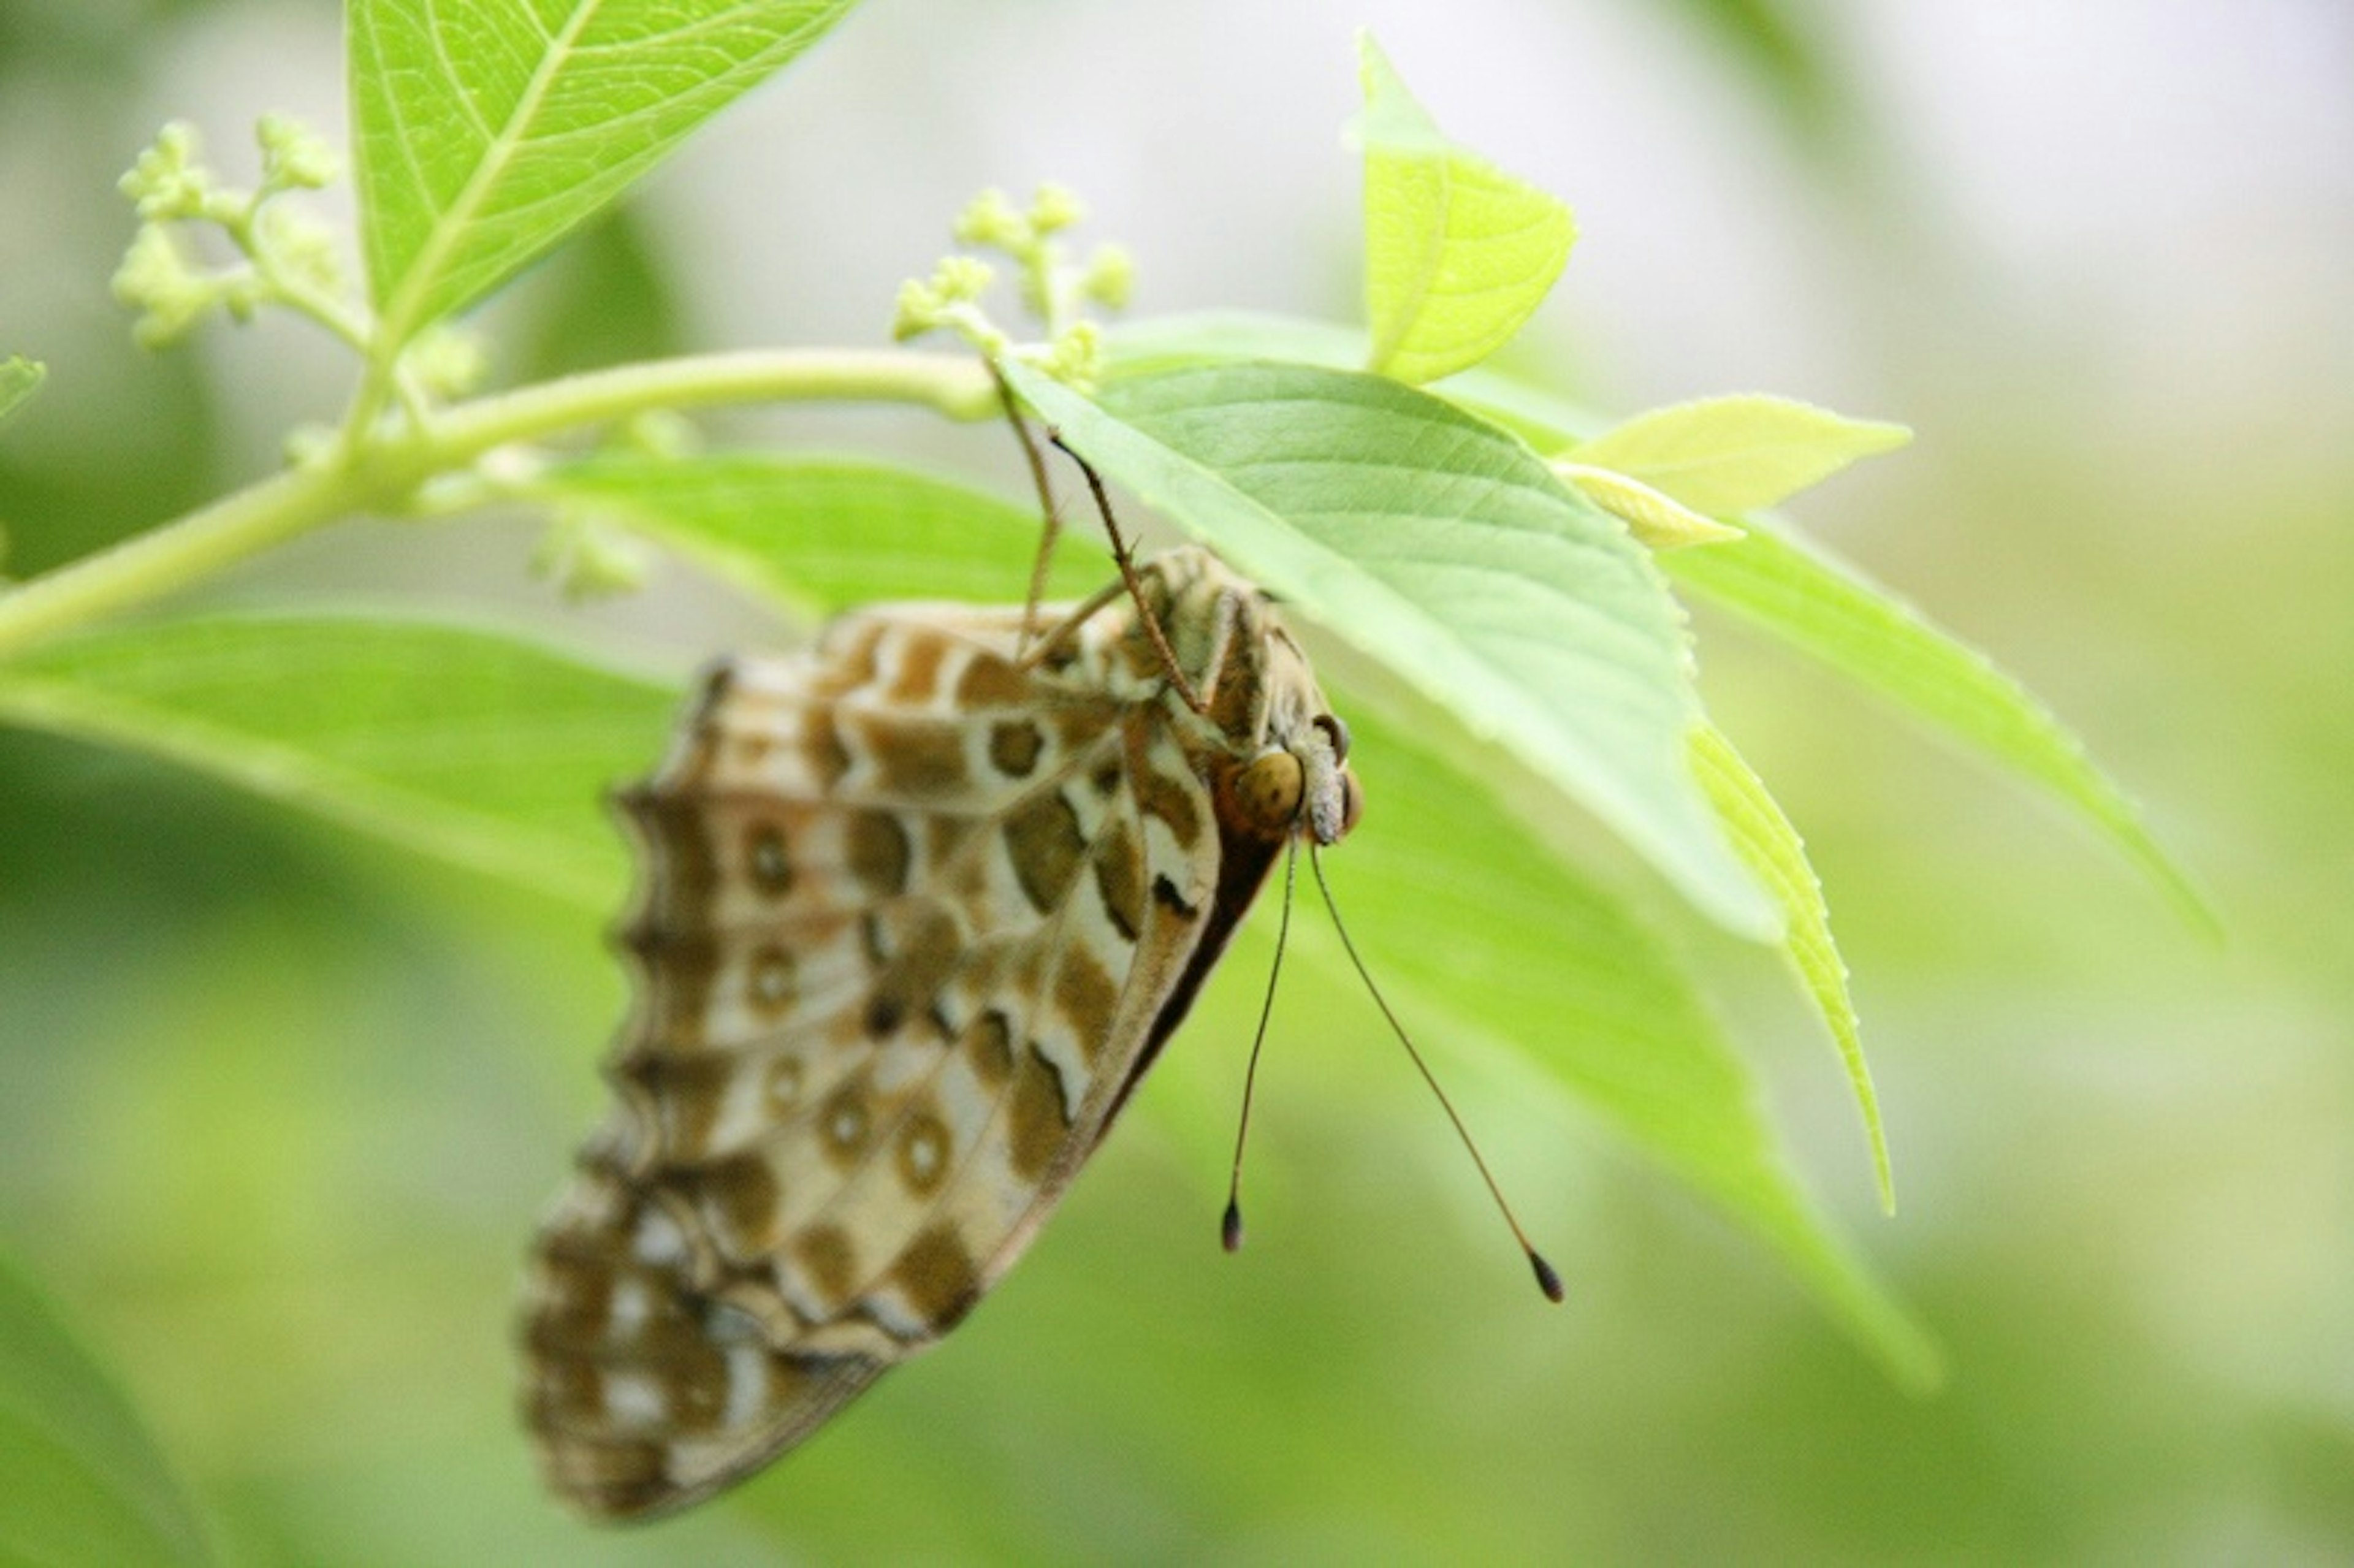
1426, 267
452, 222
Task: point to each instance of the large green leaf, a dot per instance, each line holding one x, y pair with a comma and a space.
822, 534
1442, 549
1479, 938
1790, 588
482, 748
1457, 252
81, 1482
484, 132
1825, 609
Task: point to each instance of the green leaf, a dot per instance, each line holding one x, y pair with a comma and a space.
1728, 455
83, 1482
817, 535
1788, 587
486, 131
1482, 943
606, 297
1457, 252
19, 379
478, 747
1833, 612
1771, 845
1443, 549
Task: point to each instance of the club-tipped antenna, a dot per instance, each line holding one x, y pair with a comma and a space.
1548, 1280
1230, 1229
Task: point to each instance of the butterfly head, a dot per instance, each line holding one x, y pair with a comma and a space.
1301, 783
1276, 755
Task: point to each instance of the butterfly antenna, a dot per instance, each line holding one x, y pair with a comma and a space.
1121, 553
1230, 1230
1049, 509
1548, 1281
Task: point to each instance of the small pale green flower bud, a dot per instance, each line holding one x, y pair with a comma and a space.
228, 207
303, 250
915, 312
157, 280
588, 558
448, 361
1076, 357
1055, 207
243, 293
293, 155
990, 219
166, 182
961, 279
606, 562
1110, 276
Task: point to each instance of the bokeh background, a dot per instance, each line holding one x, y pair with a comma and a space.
279, 1107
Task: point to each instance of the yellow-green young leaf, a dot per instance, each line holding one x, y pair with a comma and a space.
1765, 839
1726, 455
483, 132
480, 749
1442, 549
1457, 252
1657, 521
818, 535
19, 379
1481, 937
82, 1485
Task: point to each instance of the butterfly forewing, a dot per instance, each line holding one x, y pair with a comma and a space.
913, 915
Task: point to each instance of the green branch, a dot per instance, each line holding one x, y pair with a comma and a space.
348, 479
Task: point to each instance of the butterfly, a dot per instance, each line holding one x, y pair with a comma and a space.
920, 906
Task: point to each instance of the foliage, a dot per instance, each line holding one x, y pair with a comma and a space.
85, 1483
1499, 564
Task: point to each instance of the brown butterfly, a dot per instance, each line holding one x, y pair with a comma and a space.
919, 908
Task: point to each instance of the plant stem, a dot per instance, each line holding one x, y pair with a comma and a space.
182, 552
956, 386
186, 550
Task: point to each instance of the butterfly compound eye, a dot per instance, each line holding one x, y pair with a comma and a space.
1268, 790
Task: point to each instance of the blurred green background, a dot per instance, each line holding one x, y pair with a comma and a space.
279, 1107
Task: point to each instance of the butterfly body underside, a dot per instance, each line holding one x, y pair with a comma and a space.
915, 915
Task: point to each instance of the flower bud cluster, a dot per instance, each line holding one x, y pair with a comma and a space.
1054, 290
282, 256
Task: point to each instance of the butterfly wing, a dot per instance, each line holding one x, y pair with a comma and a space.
914, 917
